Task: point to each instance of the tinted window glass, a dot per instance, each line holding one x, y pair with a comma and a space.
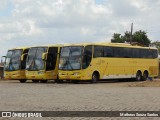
122, 52
149, 55
143, 53
108, 52
87, 57
98, 51
52, 58
118, 52
155, 53
135, 53
128, 53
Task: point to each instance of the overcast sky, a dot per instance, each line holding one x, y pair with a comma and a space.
38, 22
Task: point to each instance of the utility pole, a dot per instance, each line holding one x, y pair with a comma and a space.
131, 33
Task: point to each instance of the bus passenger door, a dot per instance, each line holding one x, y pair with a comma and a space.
51, 63
87, 67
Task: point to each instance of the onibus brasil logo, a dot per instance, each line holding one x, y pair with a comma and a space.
21, 114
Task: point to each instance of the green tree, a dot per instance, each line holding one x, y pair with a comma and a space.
139, 37
127, 36
117, 38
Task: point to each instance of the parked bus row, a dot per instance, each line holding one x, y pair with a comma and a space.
78, 62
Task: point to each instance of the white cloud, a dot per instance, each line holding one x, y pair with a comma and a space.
35, 22
3, 4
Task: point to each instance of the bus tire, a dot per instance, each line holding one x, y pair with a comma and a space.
138, 76
95, 77
22, 81
35, 81
145, 75
43, 81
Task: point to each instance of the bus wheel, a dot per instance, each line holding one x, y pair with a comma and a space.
43, 81
139, 76
22, 81
95, 77
35, 81
145, 75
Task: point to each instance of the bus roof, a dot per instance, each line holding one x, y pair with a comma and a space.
110, 44
53, 45
17, 48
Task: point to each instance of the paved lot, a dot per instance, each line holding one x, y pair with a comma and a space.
115, 96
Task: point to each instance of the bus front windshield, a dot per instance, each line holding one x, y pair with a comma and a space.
13, 60
34, 60
71, 58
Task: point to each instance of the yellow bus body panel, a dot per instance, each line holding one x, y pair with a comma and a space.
14, 75
110, 68
41, 75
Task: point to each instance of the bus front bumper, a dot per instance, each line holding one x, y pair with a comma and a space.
14, 75
40, 75
70, 75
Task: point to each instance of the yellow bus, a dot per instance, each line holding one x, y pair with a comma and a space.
107, 61
42, 63
15, 63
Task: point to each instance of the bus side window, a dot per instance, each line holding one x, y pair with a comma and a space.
155, 53
51, 58
108, 52
136, 53
143, 53
150, 54
98, 51
117, 52
87, 57
128, 53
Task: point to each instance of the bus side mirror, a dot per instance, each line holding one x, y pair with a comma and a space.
23, 56
3, 59
44, 56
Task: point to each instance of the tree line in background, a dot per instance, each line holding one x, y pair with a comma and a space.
137, 37
140, 37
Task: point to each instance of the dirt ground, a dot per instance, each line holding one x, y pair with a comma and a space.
112, 95
148, 83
